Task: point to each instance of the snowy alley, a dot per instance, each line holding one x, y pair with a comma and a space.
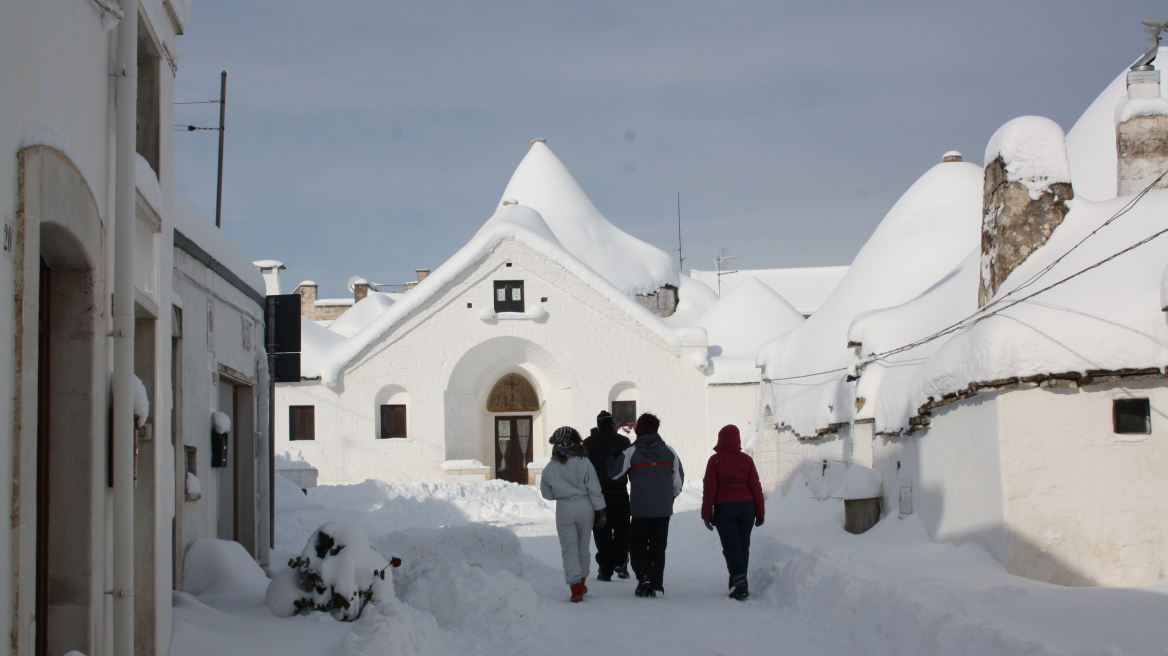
481, 574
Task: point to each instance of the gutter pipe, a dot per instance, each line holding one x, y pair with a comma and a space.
126, 101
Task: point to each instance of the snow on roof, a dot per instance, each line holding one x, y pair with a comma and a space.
269, 264
361, 314
201, 230
923, 237
804, 287
1034, 151
307, 283
146, 180
1108, 318
1129, 109
518, 222
693, 299
543, 183
738, 324
1091, 142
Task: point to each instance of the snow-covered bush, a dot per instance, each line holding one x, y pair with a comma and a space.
337, 572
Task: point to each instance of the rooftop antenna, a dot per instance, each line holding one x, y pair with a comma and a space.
1153, 26
721, 257
680, 259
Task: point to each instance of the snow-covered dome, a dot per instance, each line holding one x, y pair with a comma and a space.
544, 184
747, 317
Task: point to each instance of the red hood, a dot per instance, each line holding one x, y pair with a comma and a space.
728, 439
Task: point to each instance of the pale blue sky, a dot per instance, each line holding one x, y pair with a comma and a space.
370, 137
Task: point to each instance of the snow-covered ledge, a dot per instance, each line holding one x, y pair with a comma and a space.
535, 470
466, 471
537, 314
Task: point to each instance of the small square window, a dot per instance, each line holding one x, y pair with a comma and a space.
624, 412
509, 296
393, 421
301, 422
468, 305
543, 299
1132, 416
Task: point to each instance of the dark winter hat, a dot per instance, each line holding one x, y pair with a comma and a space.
563, 434
604, 419
566, 442
729, 439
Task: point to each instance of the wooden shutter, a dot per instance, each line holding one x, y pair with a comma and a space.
301, 422
393, 421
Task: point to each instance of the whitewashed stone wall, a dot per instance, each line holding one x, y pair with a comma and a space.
444, 358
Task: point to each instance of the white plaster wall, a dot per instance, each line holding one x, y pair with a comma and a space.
1084, 506
959, 484
729, 404
446, 358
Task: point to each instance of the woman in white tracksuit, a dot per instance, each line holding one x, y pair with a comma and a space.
571, 481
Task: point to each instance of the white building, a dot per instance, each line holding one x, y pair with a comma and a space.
541, 320
1028, 419
87, 187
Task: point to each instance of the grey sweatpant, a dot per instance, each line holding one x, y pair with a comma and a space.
574, 525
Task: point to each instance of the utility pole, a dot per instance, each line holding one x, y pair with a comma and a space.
680, 259
222, 115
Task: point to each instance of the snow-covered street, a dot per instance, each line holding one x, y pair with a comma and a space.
481, 575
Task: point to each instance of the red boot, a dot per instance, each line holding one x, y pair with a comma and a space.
577, 592
583, 586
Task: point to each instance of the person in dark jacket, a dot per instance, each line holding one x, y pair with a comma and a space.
656, 475
732, 502
612, 539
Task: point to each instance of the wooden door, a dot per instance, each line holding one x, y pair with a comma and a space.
513, 448
42, 488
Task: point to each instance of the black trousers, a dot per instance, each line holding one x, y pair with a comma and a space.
647, 539
612, 539
734, 522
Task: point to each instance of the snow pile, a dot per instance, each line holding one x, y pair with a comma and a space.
290, 497
543, 183
933, 226
220, 422
292, 459
739, 323
324, 353
361, 314
198, 228
468, 577
1129, 109
860, 482
693, 299
146, 180
193, 486
806, 288
1091, 141
141, 403
336, 572
221, 567
1033, 148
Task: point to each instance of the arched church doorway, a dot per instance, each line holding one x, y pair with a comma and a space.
511, 396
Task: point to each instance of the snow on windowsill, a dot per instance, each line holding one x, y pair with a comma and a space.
537, 314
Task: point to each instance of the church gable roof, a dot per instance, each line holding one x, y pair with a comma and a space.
510, 221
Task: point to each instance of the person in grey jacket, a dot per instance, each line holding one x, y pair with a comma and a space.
656, 475
571, 481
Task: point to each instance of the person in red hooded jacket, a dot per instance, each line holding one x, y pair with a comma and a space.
732, 502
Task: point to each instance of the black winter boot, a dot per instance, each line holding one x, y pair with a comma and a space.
645, 589
739, 589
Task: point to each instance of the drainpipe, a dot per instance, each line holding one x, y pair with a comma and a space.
126, 100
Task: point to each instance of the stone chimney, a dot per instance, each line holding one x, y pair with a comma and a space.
1027, 184
360, 290
270, 270
1141, 133
422, 275
951, 156
307, 291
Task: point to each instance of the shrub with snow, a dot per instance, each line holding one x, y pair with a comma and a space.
337, 572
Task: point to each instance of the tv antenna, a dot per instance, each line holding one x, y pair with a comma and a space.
1153, 26
721, 257
680, 259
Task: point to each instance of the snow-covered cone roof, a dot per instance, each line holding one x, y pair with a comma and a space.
804, 287
693, 299
543, 183
361, 314
1107, 318
925, 235
325, 353
1091, 142
740, 322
